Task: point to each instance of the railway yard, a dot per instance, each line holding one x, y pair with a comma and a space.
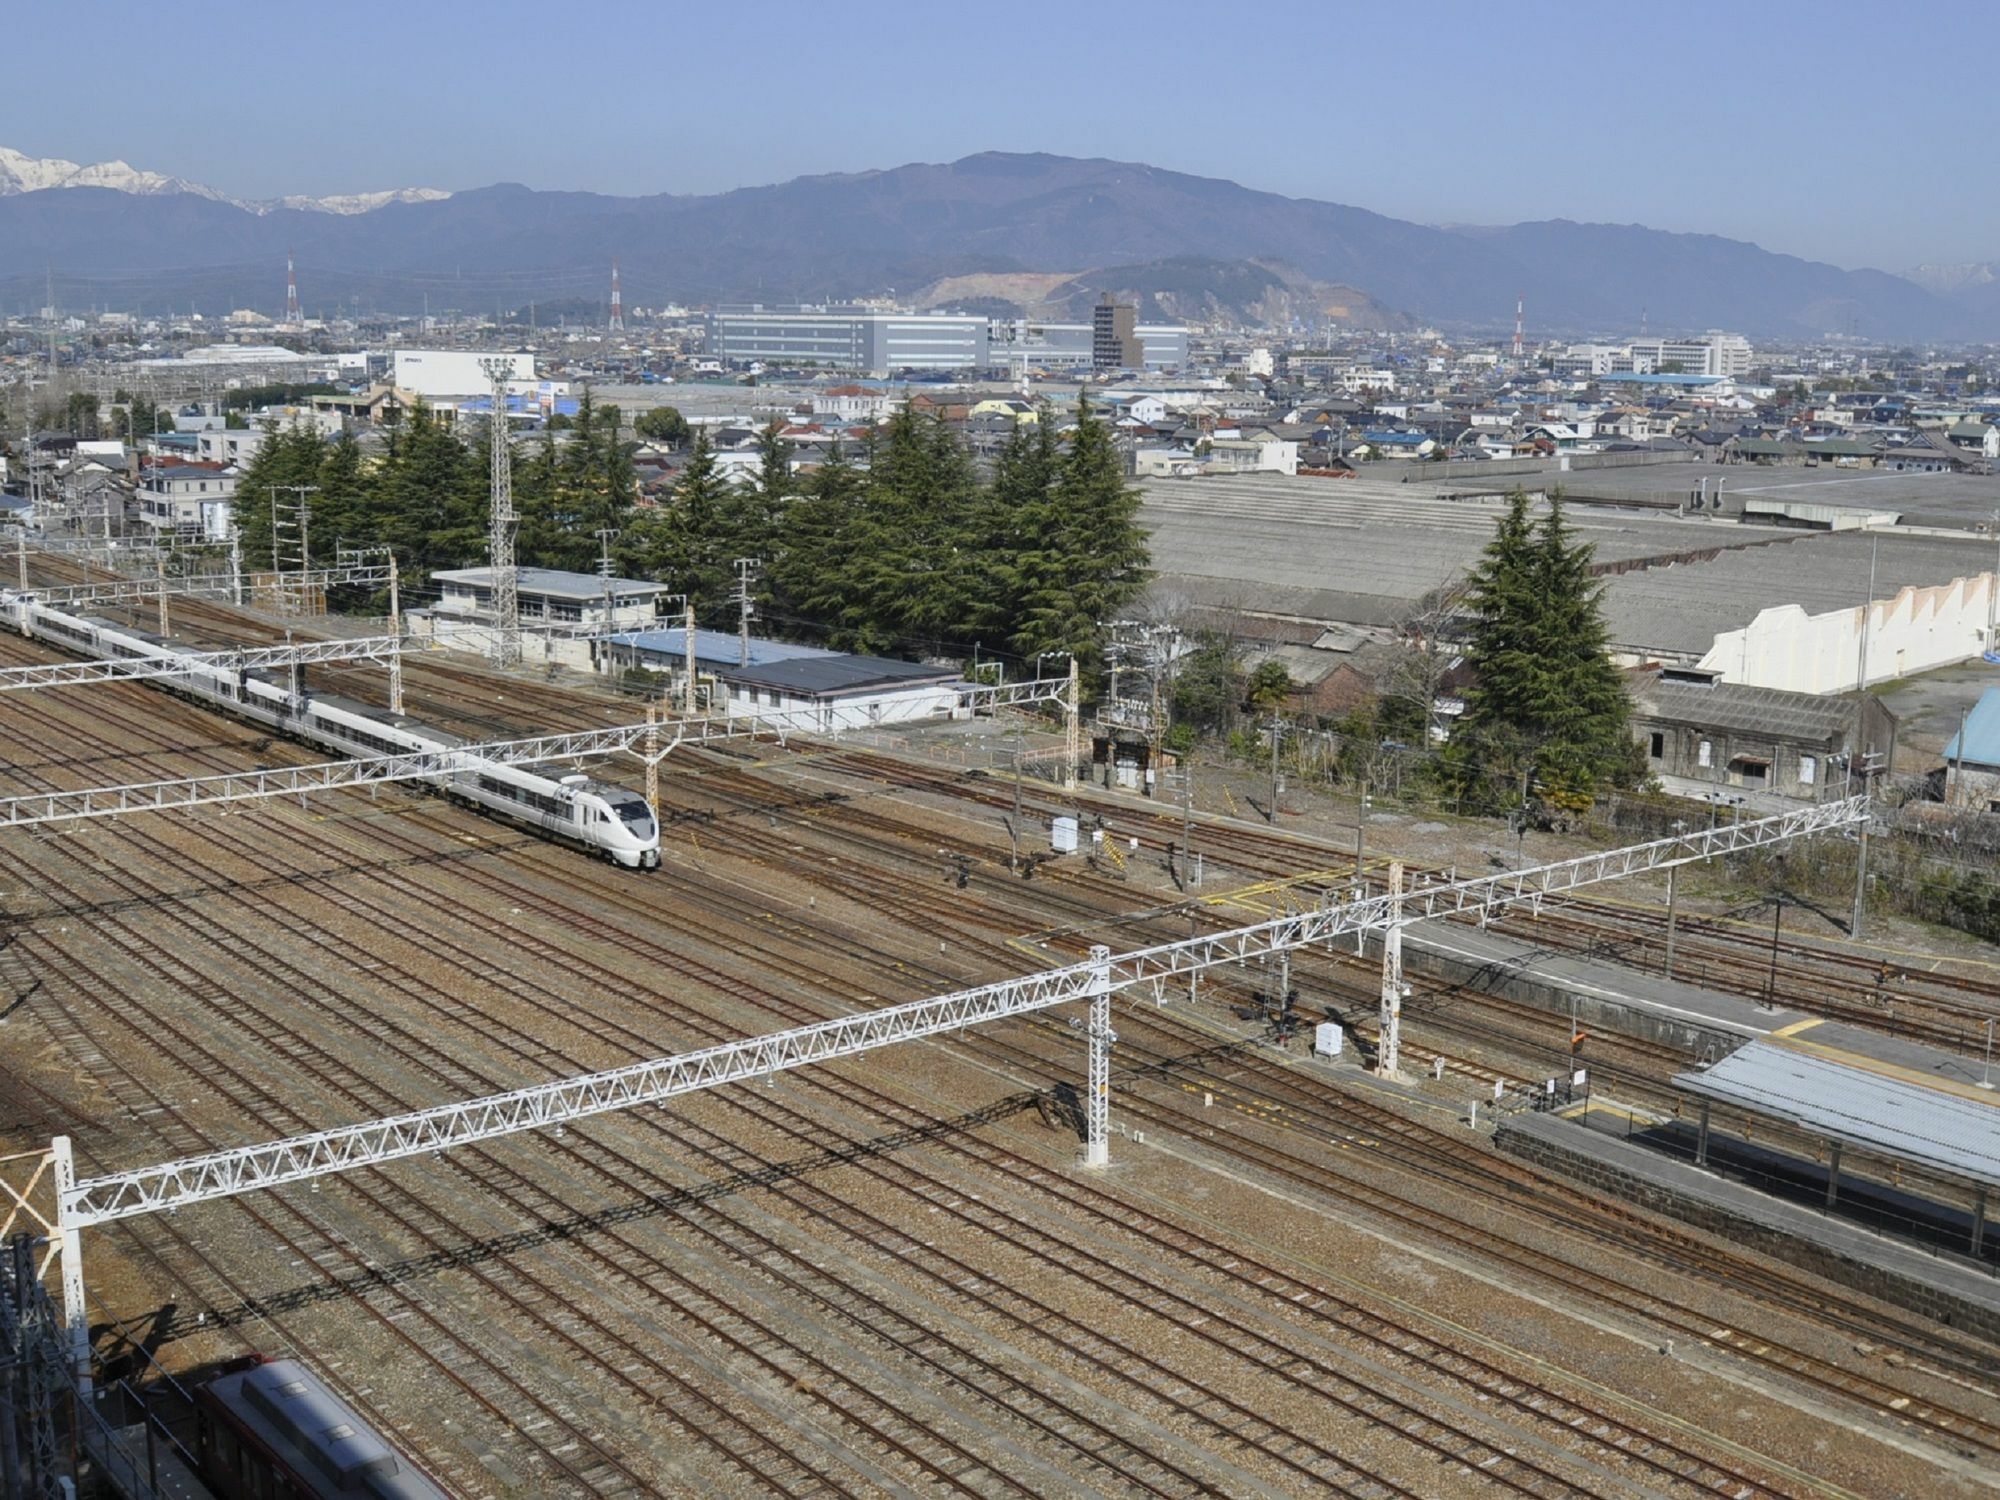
891, 1274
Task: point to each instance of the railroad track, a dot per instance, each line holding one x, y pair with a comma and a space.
425, 817
1936, 1005
210, 1063
622, 1264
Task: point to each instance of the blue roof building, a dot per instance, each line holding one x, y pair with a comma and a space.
1976, 747
801, 687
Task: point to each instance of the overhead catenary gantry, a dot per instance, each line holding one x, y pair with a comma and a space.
83, 1203
180, 664
646, 741
205, 586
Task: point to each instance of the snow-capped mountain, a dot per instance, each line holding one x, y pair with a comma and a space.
29, 174
20, 173
1946, 279
351, 203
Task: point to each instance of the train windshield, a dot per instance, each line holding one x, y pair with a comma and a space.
636, 814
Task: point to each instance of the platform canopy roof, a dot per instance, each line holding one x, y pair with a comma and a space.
1948, 1127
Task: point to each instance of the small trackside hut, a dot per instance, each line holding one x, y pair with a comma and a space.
812, 688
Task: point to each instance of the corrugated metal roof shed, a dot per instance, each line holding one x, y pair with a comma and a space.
808, 670
1742, 709
1981, 733
1954, 1129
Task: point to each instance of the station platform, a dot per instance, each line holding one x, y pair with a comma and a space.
1859, 1227
1612, 997
1780, 1216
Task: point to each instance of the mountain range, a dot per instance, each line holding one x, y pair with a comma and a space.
1058, 227
35, 174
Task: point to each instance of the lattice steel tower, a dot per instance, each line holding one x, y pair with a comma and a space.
500, 534
617, 300
293, 317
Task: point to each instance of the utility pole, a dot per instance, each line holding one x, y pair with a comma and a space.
1859, 748
1361, 834
1993, 593
500, 524
605, 536
296, 517
653, 758
396, 630
1388, 1049
1277, 732
687, 625
1672, 894
1777, 927
160, 581
746, 568
1187, 819
1860, 874
1020, 758
28, 457
1956, 782
1072, 729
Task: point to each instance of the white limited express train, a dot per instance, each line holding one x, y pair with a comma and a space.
572, 809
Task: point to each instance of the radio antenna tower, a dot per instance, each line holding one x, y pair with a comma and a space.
1520, 306
292, 316
617, 300
500, 536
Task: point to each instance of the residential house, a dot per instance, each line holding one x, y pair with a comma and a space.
196, 500
1981, 439
1398, 445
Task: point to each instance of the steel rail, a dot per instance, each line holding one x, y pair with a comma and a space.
222, 1174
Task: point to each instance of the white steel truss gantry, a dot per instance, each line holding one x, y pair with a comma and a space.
642, 740
88, 1202
225, 1173
219, 586
180, 664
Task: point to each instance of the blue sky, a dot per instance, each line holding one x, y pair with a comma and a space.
1836, 130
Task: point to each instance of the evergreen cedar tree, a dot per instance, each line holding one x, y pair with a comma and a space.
1547, 703
910, 551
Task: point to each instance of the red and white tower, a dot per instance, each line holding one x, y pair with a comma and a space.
292, 314
617, 300
1520, 307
